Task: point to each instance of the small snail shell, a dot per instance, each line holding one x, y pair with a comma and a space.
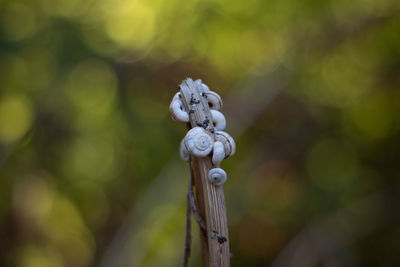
214, 100
217, 176
218, 120
177, 96
178, 111
183, 152
227, 141
218, 153
198, 142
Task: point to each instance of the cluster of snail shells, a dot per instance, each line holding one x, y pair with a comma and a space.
199, 142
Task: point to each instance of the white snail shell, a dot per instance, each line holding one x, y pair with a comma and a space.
183, 152
198, 142
218, 120
227, 141
177, 96
213, 99
217, 176
218, 153
177, 111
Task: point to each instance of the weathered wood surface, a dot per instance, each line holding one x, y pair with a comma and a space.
210, 198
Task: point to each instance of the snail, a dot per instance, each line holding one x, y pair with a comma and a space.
177, 96
205, 139
217, 176
218, 153
213, 99
183, 152
198, 142
227, 141
177, 110
218, 120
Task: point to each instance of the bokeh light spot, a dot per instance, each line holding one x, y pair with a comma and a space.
91, 158
374, 117
35, 256
68, 233
91, 87
134, 28
15, 117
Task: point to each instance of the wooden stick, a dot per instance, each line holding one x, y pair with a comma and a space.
210, 198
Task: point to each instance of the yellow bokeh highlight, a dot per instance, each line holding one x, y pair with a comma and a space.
91, 158
68, 233
35, 256
374, 117
91, 86
133, 28
15, 117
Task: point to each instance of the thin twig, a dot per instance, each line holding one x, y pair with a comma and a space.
188, 237
193, 205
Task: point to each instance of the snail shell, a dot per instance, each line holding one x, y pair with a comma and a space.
183, 152
198, 142
218, 153
213, 99
177, 96
227, 141
177, 110
218, 120
217, 176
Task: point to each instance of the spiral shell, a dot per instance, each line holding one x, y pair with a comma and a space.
183, 152
217, 176
198, 142
213, 99
177, 111
227, 141
218, 153
218, 120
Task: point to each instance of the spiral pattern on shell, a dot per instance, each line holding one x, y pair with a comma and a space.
227, 141
199, 142
217, 176
213, 99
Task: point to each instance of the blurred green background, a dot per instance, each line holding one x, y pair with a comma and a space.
89, 167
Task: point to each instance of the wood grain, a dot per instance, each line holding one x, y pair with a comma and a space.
210, 198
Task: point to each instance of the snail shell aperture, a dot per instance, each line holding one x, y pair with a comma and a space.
213, 99
217, 176
198, 142
218, 120
177, 96
227, 141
